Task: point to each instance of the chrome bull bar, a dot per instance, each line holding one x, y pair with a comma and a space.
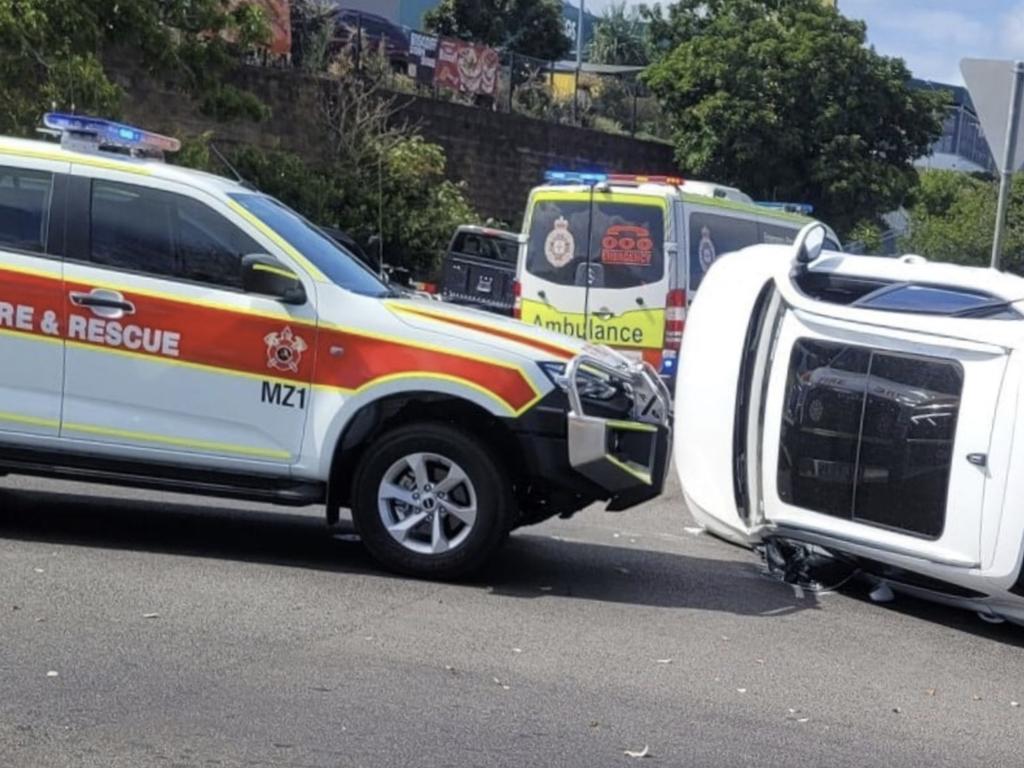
626, 457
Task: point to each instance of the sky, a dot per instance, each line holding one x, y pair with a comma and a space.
932, 35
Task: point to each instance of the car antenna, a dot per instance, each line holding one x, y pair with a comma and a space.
227, 164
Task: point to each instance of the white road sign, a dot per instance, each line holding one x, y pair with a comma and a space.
990, 82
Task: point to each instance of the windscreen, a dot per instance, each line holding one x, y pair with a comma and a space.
626, 242
340, 266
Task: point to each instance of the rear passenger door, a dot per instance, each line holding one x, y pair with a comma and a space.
31, 310
168, 359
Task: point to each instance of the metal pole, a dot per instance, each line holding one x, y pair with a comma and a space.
1006, 180
579, 64
511, 81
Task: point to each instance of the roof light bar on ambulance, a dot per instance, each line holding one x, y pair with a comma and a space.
82, 131
574, 177
640, 178
804, 208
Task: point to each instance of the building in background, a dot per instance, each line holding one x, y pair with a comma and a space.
388, 9
962, 146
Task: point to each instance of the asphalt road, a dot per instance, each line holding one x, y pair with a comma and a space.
138, 629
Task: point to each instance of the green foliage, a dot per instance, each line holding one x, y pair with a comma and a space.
620, 37
953, 216
51, 52
406, 191
784, 99
869, 236
528, 27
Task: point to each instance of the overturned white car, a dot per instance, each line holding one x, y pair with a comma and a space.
864, 411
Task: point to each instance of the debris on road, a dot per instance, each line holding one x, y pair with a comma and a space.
645, 752
663, 661
151, 615
39, 570
504, 686
53, 673
622, 570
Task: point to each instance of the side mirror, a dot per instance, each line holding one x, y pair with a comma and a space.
809, 244
265, 275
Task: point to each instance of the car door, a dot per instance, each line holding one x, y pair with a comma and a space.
167, 358
880, 437
31, 350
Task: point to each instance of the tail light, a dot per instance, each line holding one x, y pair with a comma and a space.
517, 304
675, 320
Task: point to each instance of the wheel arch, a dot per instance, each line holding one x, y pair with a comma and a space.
401, 408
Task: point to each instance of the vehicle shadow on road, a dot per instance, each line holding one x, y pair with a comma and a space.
530, 566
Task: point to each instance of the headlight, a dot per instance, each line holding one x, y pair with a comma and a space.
591, 384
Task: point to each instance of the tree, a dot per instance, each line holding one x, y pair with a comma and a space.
51, 52
953, 215
620, 37
783, 99
377, 176
528, 27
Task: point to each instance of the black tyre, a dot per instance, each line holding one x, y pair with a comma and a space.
430, 500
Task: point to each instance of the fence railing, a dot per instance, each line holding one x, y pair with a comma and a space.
608, 98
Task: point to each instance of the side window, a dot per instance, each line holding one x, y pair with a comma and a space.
776, 234
24, 208
210, 248
712, 236
130, 228
868, 435
161, 233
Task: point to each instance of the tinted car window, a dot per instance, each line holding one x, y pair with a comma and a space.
776, 234
867, 435
24, 208
326, 254
627, 243
210, 247
162, 233
711, 236
131, 228
926, 300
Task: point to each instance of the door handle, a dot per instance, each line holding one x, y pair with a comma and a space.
978, 459
604, 314
101, 302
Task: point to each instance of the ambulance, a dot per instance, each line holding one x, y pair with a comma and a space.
617, 259
170, 329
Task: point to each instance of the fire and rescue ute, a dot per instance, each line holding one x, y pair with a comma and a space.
862, 412
167, 328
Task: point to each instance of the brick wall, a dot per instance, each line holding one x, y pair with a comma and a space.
499, 156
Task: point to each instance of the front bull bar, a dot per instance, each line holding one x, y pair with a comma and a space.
627, 457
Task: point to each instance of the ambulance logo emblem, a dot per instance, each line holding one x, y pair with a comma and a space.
560, 245
706, 249
284, 350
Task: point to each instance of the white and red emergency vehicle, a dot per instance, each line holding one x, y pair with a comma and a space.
167, 328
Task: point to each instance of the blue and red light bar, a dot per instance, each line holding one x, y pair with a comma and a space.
805, 208
643, 178
109, 133
588, 178
574, 177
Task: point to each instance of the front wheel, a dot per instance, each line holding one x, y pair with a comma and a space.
430, 500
